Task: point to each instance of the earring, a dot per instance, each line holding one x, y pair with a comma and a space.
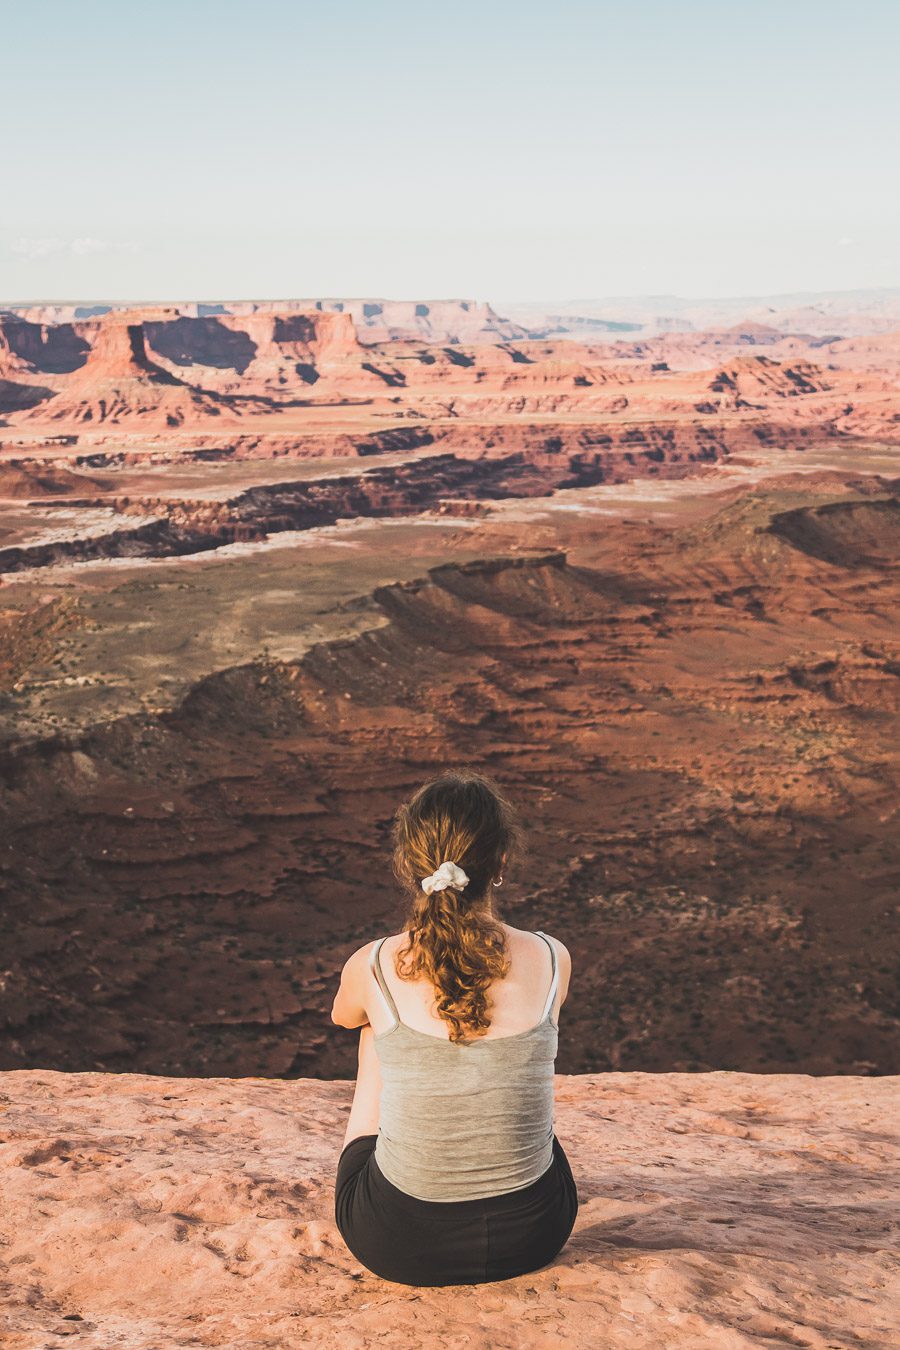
497, 883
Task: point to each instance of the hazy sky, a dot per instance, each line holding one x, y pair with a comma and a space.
484, 148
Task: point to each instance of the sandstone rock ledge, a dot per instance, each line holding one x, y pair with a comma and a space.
718, 1209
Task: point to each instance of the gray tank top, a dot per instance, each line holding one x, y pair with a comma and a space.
460, 1121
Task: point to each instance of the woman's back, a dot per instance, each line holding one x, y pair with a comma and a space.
463, 1120
516, 1002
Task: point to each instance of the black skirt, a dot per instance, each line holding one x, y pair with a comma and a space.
406, 1240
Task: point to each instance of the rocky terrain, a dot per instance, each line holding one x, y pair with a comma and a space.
264, 569
729, 1211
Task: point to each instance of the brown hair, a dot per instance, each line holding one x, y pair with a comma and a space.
462, 817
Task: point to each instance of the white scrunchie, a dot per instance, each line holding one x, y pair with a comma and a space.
448, 874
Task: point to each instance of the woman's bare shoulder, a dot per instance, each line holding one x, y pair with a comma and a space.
564, 957
391, 944
562, 950
523, 937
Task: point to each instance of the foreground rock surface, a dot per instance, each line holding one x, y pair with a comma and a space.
717, 1209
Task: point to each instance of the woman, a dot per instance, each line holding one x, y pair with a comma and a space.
451, 1172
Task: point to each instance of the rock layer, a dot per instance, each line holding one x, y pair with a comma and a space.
162, 370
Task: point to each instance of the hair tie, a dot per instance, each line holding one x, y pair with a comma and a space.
448, 874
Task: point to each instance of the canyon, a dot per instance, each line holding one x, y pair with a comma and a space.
264, 569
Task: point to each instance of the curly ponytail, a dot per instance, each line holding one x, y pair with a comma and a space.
459, 817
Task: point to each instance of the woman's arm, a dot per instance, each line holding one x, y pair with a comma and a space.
349, 1008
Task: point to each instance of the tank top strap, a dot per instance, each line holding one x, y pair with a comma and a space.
554, 978
375, 963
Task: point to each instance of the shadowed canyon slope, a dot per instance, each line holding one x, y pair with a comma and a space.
728, 1211
651, 585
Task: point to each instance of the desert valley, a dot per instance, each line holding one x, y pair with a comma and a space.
266, 565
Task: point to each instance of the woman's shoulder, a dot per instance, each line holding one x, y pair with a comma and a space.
534, 937
533, 933
390, 942
387, 943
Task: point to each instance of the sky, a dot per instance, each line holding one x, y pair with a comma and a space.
208, 149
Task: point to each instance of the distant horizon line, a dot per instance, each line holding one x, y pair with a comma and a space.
667, 296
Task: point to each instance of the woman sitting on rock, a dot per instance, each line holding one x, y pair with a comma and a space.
451, 1172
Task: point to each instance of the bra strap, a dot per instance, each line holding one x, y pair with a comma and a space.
554, 978
375, 963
